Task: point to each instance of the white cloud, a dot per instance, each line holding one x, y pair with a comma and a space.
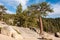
15, 3
23, 2
11, 3
56, 8
9, 12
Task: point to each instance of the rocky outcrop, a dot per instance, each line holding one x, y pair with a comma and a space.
4, 37
47, 36
9, 31
57, 34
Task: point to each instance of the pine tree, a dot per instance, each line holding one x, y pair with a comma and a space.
19, 9
40, 10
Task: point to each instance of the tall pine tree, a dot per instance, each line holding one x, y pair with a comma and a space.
19, 9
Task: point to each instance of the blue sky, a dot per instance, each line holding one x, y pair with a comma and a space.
11, 5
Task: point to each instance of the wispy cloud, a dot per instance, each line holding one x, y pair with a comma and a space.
23, 2
9, 12
12, 3
56, 8
15, 3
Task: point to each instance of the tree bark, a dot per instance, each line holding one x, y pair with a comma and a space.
41, 25
2, 17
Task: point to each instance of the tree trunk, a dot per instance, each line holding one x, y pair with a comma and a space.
40, 25
2, 17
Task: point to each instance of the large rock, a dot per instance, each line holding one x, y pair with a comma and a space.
57, 34
9, 31
4, 37
47, 36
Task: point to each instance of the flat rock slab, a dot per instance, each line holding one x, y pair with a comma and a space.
4, 37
